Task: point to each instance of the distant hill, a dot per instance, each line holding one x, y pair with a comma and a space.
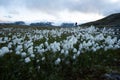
111, 20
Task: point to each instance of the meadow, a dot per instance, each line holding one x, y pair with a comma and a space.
76, 53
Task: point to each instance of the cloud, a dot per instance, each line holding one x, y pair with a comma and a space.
8, 16
86, 6
13, 12
104, 7
58, 10
4, 3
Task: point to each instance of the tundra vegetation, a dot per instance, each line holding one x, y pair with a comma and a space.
58, 53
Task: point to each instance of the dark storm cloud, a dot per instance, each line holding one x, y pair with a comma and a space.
104, 7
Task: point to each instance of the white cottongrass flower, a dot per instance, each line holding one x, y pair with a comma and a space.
88, 39
78, 53
4, 50
43, 58
41, 51
10, 45
19, 48
55, 46
28, 44
46, 44
57, 61
66, 52
27, 60
30, 50
94, 49
110, 41
62, 51
5, 38
38, 67
23, 54
32, 55
74, 56
74, 50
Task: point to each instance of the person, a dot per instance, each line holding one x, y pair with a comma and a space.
76, 24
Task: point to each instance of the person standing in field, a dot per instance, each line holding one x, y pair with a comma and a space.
76, 24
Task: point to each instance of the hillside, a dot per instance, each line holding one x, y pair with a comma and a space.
111, 20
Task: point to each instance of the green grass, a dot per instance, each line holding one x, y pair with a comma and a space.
87, 66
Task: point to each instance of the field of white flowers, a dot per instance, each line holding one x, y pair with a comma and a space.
44, 50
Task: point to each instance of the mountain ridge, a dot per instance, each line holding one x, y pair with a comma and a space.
111, 20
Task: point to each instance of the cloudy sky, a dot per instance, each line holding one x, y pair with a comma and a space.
57, 10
